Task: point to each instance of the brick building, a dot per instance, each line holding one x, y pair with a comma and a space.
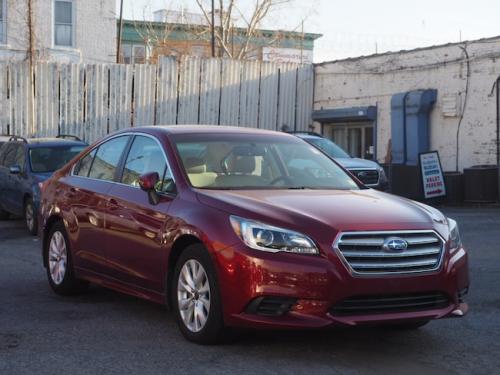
63, 30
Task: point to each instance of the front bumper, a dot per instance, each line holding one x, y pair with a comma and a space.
318, 283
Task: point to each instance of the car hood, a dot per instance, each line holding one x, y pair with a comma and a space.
324, 210
348, 163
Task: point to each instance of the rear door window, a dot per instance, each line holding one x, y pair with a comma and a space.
107, 158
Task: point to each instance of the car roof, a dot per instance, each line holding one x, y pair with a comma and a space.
50, 142
203, 129
307, 135
189, 129
43, 142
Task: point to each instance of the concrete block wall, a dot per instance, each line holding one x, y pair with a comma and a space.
373, 80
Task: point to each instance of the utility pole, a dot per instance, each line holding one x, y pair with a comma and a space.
31, 67
213, 28
119, 41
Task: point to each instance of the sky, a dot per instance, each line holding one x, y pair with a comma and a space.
361, 27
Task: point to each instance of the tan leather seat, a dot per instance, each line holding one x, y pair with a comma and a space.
197, 172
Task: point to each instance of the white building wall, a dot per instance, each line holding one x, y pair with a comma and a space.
94, 32
373, 80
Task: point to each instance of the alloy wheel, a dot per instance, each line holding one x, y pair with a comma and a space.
58, 257
30, 216
193, 295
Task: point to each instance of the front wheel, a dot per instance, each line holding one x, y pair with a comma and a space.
196, 299
60, 272
30, 217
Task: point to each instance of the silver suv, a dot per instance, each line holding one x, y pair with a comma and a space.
368, 172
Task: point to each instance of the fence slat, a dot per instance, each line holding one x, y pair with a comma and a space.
230, 92
268, 108
305, 82
249, 94
210, 91
189, 90
4, 103
286, 105
166, 106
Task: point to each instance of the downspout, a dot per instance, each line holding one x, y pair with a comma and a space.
405, 158
404, 143
467, 83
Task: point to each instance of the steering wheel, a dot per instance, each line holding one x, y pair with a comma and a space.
280, 178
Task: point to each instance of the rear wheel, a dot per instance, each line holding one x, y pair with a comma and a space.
60, 272
30, 216
196, 299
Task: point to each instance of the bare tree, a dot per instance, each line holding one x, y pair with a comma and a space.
238, 29
156, 34
229, 14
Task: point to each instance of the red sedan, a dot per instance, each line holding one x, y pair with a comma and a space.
234, 227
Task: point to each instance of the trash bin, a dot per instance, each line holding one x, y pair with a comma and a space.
481, 184
454, 182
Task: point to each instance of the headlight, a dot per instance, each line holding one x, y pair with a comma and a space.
455, 240
264, 237
382, 175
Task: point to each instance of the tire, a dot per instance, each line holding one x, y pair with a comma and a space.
31, 217
212, 330
4, 215
60, 271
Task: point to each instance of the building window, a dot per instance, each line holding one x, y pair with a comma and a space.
134, 54
63, 23
3, 21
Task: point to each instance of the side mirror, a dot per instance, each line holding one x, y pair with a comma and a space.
148, 182
15, 169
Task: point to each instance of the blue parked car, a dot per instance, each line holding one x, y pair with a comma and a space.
368, 172
24, 165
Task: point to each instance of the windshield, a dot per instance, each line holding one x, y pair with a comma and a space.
50, 159
328, 147
259, 163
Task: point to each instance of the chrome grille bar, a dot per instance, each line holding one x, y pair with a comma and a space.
368, 252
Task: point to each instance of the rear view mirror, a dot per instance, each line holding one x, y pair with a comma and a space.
148, 182
15, 169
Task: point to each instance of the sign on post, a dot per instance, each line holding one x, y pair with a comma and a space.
432, 175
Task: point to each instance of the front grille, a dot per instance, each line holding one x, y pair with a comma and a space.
368, 252
391, 304
271, 306
366, 176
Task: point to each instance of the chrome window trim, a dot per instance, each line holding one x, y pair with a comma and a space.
72, 174
354, 273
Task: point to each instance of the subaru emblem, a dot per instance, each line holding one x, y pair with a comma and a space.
395, 244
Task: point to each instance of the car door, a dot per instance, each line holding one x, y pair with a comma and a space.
7, 184
85, 194
4, 174
18, 182
135, 226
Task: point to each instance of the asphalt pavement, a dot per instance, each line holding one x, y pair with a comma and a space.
103, 332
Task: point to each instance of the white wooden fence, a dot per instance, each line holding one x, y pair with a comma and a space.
91, 101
